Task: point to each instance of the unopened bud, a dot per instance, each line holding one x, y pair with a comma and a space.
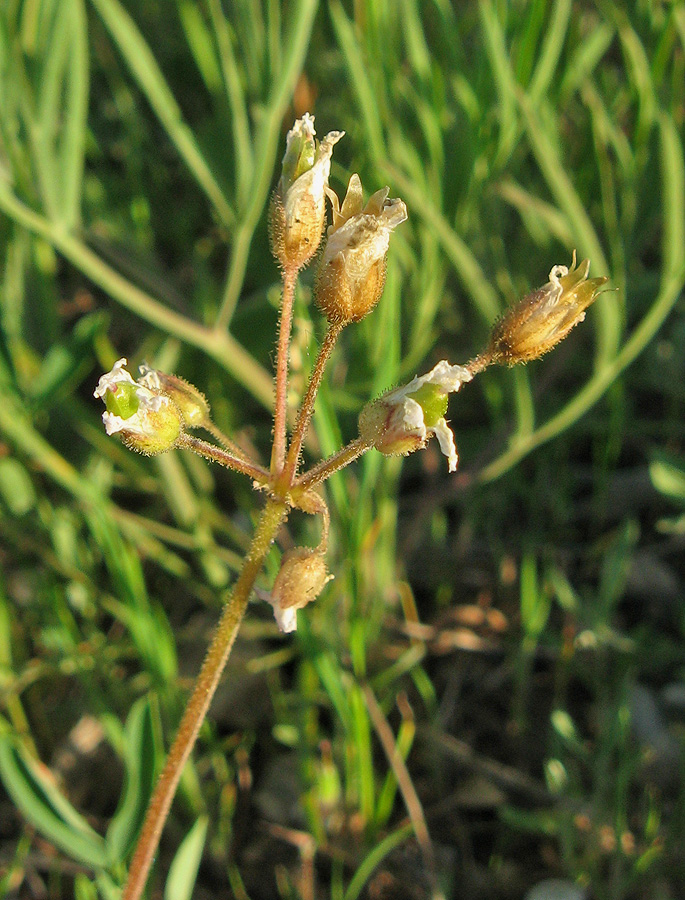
302, 577
351, 276
298, 207
402, 420
544, 317
147, 420
191, 402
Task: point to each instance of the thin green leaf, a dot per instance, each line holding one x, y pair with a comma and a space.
359, 78
151, 81
375, 858
201, 44
33, 788
242, 139
141, 754
360, 738
73, 143
553, 43
184, 868
673, 195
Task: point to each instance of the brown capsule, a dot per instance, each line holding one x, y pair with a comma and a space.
301, 578
544, 317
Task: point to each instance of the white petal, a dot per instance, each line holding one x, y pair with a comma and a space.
303, 126
446, 376
149, 378
110, 380
446, 440
113, 423
286, 619
413, 417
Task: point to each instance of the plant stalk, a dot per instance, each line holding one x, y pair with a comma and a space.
324, 469
307, 407
205, 686
223, 457
280, 408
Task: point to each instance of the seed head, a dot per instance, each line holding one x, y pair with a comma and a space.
302, 577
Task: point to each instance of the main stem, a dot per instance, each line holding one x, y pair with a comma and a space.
280, 408
207, 681
307, 407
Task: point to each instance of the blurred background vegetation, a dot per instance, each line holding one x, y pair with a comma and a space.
492, 691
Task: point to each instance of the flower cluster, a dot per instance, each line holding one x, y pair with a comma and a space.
154, 413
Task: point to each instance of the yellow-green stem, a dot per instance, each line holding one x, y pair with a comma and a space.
207, 681
307, 407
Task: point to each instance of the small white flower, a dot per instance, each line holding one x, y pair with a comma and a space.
148, 421
402, 420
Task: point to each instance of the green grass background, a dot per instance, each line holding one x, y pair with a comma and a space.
490, 693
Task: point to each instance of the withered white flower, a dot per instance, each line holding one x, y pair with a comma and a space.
352, 272
298, 210
402, 420
300, 580
147, 420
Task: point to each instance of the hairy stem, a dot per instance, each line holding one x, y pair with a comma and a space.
207, 681
225, 441
285, 324
223, 457
307, 408
323, 470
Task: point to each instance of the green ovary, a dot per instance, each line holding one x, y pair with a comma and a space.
123, 401
433, 402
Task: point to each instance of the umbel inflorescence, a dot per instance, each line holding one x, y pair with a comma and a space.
159, 412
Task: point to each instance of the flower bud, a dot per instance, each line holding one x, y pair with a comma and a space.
298, 207
301, 579
351, 276
191, 402
148, 420
544, 317
402, 420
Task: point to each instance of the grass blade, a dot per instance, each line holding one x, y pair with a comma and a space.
151, 81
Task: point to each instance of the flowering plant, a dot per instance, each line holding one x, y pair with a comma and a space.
158, 412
